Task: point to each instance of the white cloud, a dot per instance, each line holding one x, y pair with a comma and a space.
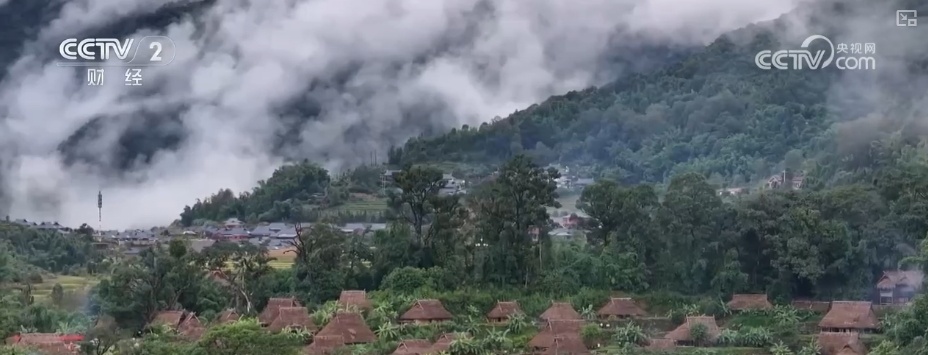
414, 64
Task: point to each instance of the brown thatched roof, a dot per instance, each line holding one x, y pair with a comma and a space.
744, 302
168, 318
814, 306
190, 321
567, 345
661, 344
431, 310
354, 299
850, 315
412, 347
841, 344
191, 327
504, 310
297, 317
193, 333
554, 328
48, 343
324, 345
891, 279
273, 305
682, 333
620, 307
351, 327
560, 310
228, 316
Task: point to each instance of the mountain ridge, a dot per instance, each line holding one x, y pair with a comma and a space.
714, 112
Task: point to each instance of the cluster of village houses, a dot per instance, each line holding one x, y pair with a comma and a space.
559, 326
781, 180
275, 235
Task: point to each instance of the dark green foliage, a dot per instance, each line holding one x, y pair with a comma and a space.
297, 192
165, 278
716, 114
49, 250
282, 197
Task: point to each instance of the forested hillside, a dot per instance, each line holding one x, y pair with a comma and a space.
658, 234
717, 114
679, 252
297, 192
35, 267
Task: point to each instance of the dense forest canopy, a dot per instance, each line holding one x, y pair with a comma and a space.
717, 114
301, 191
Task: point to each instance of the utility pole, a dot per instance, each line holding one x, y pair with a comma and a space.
100, 210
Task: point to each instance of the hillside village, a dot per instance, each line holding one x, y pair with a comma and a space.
838, 327
609, 322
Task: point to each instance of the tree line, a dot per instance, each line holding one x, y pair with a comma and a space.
682, 238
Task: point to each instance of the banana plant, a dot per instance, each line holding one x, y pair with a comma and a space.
780, 349
388, 332
469, 346
812, 348
630, 334
729, 337
691, 310
724, 309
588, 313
517, 323
499, 340
69, 328
785, 316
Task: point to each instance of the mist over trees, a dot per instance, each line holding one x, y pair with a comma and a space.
661, 145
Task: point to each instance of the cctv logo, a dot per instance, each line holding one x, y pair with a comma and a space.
70, 48
804, 58
766, 59
148, 51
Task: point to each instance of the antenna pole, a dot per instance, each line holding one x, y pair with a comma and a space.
100, 210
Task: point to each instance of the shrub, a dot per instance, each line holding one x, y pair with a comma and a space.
699, 333
630, 334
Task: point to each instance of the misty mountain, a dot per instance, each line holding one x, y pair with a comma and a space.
718, 114
254, 84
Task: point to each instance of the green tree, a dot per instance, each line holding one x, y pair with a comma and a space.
243, 269
57, 294
620, 213
164, 278
513, 221
419, 186
246, 337
324, 262
690, 217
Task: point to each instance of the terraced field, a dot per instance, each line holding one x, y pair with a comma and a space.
361, 206
70, 284
285, 258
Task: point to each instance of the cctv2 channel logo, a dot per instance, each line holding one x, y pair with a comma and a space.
147, 51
